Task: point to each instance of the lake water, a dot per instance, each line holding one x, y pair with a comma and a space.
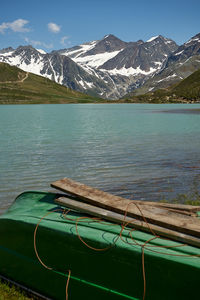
138, 151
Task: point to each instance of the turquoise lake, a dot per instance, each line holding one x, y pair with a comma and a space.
139, 151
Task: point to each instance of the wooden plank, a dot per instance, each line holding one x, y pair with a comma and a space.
130, 222
173, 206
154, 215
184, 208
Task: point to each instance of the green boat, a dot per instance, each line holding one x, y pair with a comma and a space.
105, 262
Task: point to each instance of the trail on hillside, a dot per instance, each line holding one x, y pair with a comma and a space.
17, 81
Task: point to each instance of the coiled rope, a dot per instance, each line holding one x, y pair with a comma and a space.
124, 225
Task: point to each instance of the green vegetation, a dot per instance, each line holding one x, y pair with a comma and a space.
192, 197
189, 88
10, 292
19, 87
8, 73
186, 91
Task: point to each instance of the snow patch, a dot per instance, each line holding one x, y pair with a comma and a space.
167, 78
179, 53
82, 83
69, 53
131, 71
150, 89
56, 76
41, 51
159, 63
86, 84
193, 40
152, 38
81, 50
168, 42
88, 46
7, 53
90, 84
96, 60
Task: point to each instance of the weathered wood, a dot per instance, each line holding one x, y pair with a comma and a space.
178, 207
154, 215
184, 208
127, 221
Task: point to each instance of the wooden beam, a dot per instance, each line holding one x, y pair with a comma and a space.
153, 215
129, 222
173, 206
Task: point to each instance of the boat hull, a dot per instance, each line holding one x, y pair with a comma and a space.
72, 242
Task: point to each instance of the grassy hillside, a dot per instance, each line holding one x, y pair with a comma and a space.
19, 87
188, 90
8, 73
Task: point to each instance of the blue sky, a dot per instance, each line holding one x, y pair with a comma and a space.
61, 24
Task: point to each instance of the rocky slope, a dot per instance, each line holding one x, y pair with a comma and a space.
185, 91
180, 64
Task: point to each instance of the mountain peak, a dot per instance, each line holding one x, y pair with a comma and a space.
26, 48
158, 37
110, 36
140, 42
112, 39
163, 42
109, 43
194, 39
6, 50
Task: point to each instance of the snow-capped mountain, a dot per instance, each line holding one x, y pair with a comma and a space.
56, 67
108, 67
179, 65
124, 65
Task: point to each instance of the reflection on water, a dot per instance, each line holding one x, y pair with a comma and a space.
183, 111
126, 149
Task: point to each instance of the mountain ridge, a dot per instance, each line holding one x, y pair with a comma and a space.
110, 68
180, 64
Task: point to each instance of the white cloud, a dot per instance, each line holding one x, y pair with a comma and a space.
53, 27
38, 43
64, 41
32, 42
3, 27
16, 26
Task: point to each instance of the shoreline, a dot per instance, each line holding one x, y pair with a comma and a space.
22, 102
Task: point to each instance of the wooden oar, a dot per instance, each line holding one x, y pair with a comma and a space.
154, 215
127, 221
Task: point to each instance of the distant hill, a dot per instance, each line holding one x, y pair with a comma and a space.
187, 90
19, 87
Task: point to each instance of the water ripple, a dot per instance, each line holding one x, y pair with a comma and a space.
128, 150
